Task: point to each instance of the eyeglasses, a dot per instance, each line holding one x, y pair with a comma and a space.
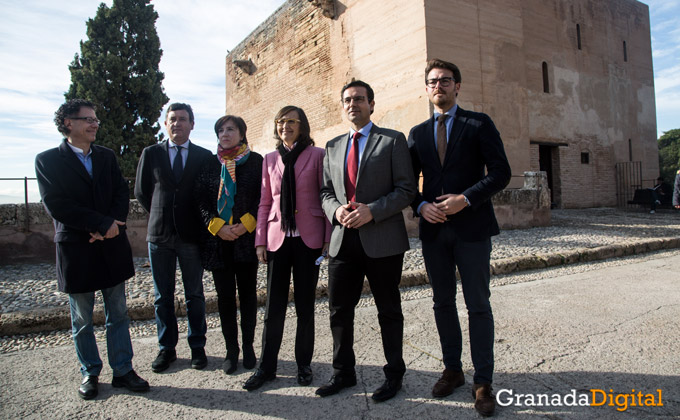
89, 120
357, 99
443, 82
290, 121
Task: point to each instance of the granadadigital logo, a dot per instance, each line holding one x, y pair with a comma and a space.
593, 397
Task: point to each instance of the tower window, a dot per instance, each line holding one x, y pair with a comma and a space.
630, 150
546, 83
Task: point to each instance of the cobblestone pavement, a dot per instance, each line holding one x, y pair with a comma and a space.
9, 344
27, 286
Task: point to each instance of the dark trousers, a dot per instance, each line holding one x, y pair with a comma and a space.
295, 256
346, 273
442, 255
243, 275
163, 258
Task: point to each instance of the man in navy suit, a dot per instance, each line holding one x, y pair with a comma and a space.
461, 157
164, 187
85, 193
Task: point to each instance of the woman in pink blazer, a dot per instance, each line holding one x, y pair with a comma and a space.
292, 232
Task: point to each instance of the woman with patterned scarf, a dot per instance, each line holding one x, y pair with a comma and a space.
227, 192
292, 233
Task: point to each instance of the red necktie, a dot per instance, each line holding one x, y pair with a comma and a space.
352, 168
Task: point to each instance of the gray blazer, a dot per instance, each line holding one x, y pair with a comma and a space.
385, 183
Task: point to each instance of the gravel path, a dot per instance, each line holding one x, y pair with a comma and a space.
28, 286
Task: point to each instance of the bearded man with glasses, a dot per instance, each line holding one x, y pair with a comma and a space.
461, 157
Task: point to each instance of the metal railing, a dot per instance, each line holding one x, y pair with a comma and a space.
25, 179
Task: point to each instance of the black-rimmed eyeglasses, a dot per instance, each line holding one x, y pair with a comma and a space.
443, 82
88, 120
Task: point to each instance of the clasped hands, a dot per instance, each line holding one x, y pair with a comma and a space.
446, 205
231, 232
353, 215
112, 232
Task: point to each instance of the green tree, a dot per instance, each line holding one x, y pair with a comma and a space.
669, 154
118, 70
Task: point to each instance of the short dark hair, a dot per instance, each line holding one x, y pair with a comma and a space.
178, 106
69, 109
436, 63
304, 138
238, 121
358, 83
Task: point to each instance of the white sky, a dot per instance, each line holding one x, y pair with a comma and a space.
39, 38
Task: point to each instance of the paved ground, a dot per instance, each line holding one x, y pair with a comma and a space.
607, 325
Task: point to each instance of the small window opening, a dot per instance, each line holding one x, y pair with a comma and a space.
630, 150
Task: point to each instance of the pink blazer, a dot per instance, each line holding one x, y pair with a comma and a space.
312, 224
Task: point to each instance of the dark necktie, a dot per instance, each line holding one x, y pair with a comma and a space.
178, 166
352, 168
441, 137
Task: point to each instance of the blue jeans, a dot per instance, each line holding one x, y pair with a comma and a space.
163, 258
118, 342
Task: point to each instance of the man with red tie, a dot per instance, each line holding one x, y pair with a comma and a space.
367, 182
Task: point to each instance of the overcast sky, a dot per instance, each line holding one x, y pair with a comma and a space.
39, 38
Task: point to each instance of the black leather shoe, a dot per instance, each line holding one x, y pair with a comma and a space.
198, 358
88, 388
335, 384
304, 375
249, 358
229, 366
258, 379
163, 360
131, 381
387, 390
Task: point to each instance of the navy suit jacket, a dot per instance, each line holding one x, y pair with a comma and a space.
170, 204
475, 166
80, 205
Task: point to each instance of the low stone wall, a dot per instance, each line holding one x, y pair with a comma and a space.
515, 208
525, 207
37, 243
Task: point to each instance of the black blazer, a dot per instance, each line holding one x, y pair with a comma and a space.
247, 199
474, 145
81, 205
169, 204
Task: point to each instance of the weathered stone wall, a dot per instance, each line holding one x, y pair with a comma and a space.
37, 243
529, 206
303, 58
596, 102
515, 208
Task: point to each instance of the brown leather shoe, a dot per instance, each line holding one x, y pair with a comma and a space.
484, 401
449, 381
